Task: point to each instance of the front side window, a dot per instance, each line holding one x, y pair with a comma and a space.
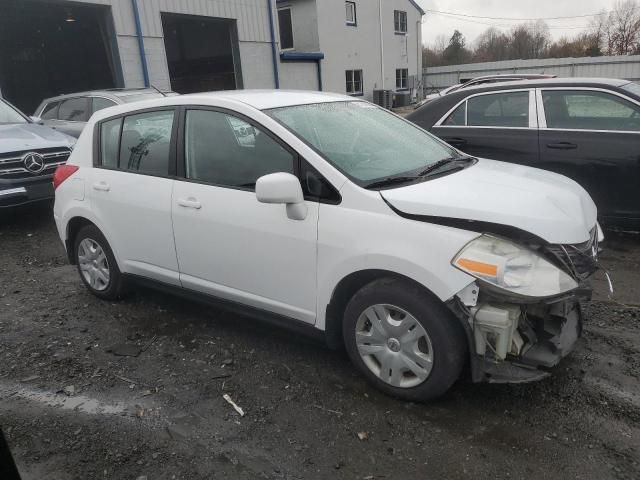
100, 103
354, 82
589, 110
400, 21
509, 109
227, 151
74, 109
286, 28
50, 111
402, 75
351, 13
364, 141
138, 143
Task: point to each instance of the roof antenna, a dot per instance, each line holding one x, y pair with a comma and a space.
158, 90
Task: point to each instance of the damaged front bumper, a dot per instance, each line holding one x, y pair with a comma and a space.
515, 342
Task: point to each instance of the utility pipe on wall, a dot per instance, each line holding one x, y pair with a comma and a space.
143, 55
381, 43
274, 51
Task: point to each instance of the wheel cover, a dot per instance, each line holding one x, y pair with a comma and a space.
94, 265
394, 345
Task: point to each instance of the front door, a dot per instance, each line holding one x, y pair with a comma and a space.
499, 126
593, 137
130, 192
228, 244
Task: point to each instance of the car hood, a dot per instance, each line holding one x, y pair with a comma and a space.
545, 204
31, 136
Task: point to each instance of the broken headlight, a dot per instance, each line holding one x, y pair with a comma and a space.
513, 268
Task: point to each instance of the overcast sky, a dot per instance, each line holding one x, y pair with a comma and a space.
434, 25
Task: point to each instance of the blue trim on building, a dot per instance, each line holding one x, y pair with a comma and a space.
301, 56
143, 55
305, 57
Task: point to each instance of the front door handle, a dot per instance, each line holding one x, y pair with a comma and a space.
190, 203
101, 186
562, 146
456, 142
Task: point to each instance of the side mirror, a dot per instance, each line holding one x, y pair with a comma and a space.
283, 188
37, 120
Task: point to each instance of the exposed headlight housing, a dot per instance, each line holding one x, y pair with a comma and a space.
513, 268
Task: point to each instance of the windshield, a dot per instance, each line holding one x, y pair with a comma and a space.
9, 115
633, 88
362, 140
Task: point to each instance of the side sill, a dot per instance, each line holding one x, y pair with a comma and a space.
280, 321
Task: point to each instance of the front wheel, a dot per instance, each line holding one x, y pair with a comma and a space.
404, 340
97, 265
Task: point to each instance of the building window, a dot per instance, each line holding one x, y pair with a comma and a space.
351, 13
354, 82
286, 28
400, 21
402, 75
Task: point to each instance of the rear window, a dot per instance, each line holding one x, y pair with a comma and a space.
138, 143
509, 109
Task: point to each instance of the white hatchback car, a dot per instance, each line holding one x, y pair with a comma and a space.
329, 212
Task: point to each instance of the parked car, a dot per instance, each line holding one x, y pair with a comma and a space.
336, 215
29, 154
586, 129
488, 79
69, 113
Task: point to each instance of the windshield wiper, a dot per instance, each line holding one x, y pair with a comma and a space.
386, 182
431, 169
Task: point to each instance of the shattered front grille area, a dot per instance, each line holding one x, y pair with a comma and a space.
579, 260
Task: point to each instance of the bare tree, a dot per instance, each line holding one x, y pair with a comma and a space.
620, 29
491, 46
529, 40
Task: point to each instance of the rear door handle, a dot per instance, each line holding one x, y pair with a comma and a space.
190, 203
101, 186
456, 142
562, 146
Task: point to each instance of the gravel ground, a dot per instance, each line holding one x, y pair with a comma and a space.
73, 409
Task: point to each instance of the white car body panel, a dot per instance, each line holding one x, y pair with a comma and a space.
239, 249
292, 267
136, 210
551, 206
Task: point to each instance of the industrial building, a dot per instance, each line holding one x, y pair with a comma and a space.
51, 47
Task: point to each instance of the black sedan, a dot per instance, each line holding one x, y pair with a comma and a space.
587, 129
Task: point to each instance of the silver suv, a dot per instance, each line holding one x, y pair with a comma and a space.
69, 113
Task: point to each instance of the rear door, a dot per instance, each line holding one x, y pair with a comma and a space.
498, 125
130, 191
593, 136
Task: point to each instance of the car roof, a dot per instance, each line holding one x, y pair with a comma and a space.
109, 93
551, 82
258, 99
428, 114
266, 99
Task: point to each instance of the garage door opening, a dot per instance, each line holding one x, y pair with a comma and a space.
202, 53
51, 48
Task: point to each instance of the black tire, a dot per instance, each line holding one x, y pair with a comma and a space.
449, 345
116, 287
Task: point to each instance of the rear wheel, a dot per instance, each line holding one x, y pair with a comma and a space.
97, 265
405, 341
